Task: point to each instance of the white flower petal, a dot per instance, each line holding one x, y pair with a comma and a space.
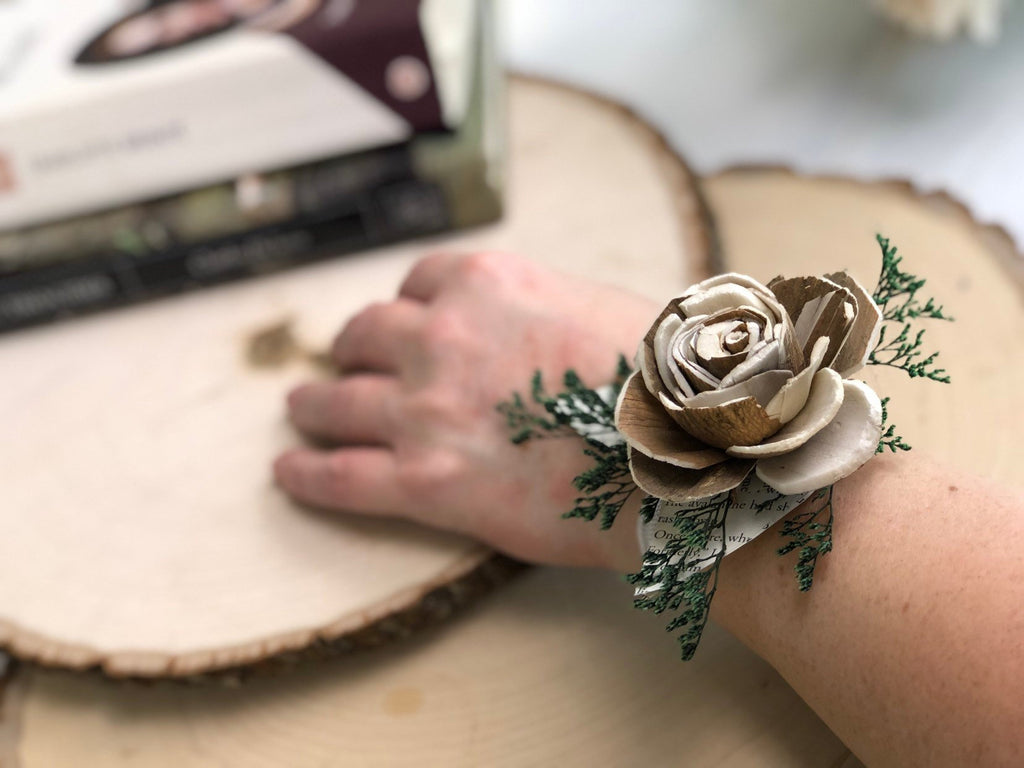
721, 297
854, 353
766, 358
809, 316
818, 307
754, 333
734, 278
791, 398
762, 387
823, 403
836, 451
651, 379
701, 379
678, 387
707, 343
710, 347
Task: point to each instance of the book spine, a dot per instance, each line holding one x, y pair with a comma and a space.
390, 213
204, 214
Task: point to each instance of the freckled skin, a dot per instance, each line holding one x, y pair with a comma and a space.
910, 645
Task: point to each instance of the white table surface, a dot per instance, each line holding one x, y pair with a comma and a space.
825, 86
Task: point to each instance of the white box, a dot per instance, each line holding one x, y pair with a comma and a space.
105, 102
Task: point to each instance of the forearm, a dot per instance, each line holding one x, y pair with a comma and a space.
910, 644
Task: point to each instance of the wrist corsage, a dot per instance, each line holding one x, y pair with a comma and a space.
741, 408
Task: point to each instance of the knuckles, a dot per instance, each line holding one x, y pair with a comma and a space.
497, 269
435, 407
486, 264
445, 330
435, 476
359, 326
339, 476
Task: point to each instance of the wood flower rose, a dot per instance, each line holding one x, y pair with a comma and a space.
735, 377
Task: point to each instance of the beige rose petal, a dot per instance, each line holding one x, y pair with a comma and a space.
768, 357
721, 297
692, 343
678, 387
794, 292
792, 356
867, 326
833, 319
647, 359
738, 313
648, 368
752, 335
763, 387
697, 324
673, 366
720, 365
710, 346
762, 291
791, 398
737, 422
681, 485
836, 451
816, 307
698, 378
646, 427
823, 403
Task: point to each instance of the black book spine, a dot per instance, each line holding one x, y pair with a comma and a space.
389, 213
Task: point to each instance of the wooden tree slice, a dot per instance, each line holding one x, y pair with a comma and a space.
771, 221
142, 533
556, 669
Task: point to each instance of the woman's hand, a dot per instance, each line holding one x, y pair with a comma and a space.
412, 418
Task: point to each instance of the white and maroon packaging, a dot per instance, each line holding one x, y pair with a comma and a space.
106, 102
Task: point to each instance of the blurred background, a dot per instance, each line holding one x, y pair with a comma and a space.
149, 147
917, 89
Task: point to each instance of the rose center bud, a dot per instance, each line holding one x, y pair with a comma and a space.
720, 347
736, 340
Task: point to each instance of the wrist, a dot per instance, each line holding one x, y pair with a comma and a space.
755, 600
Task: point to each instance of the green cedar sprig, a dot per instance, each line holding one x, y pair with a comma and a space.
580, 411
670, 580
889, 438
900, 343
809, 533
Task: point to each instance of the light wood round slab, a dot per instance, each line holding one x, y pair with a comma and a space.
555, 669
771, 221
141, 531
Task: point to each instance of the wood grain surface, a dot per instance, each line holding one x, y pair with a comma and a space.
556, 669
142, 532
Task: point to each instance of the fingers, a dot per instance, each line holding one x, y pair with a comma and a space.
379, 338
429, 275
356, 410
351, 479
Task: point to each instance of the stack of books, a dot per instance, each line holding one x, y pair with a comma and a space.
149, 148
